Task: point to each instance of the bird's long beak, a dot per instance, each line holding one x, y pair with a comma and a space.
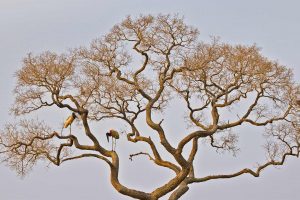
107, 136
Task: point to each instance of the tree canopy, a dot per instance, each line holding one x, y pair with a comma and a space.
132, 74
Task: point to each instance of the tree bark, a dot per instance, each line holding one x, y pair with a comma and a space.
181, 190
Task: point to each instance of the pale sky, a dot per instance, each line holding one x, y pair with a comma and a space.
57, 25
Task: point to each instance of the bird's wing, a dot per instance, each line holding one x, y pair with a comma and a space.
67, 122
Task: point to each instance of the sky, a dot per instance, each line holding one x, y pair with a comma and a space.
57, 25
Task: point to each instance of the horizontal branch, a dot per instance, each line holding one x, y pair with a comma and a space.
86, 156
255, 173
140, 153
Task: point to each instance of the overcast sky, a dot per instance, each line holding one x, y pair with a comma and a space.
56, 25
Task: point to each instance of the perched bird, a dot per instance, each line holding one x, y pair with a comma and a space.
114, 135
69, 120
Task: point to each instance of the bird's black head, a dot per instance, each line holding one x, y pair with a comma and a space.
74, 115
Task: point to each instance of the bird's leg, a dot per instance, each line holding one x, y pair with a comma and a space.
69, 140
115, 144
61, 131
112, 144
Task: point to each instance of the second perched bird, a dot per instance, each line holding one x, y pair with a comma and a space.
114, 135
69, 121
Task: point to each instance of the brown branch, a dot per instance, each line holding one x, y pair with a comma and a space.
157, 157
86, 156
141, 153
255, 173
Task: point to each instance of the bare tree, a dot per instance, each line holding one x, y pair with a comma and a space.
133, 73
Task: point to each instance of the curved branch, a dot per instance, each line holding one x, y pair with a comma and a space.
255, 173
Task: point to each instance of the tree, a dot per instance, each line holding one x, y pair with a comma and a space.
131, 75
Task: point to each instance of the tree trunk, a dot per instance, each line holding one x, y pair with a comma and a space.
181, 190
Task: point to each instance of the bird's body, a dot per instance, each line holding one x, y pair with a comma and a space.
114, 135
69, 120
